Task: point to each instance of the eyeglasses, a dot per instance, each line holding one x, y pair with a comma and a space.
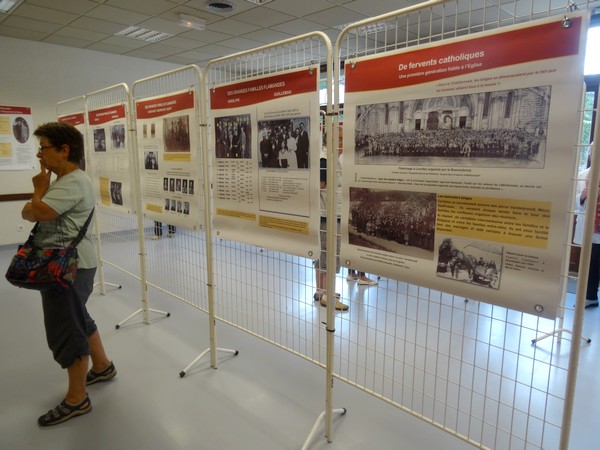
41, 148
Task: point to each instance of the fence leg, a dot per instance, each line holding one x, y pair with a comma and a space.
315, 427
141, 310
199, 357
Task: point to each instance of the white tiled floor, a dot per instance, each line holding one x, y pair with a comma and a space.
263, 398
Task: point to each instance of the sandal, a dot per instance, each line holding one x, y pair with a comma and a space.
104, 375
63, 412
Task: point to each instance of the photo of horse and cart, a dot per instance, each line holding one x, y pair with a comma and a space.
470, 261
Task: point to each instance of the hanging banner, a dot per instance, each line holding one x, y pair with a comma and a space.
267, 144
77, 119
18, 146
459, 159
109, 156
169, 159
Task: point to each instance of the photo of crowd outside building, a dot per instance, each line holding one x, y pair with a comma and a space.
484, 129
400, 222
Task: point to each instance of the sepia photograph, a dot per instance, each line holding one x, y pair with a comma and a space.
233, 137
150, 161
395, 221
99, 140
484, 129
284, 143
117, 136
176, 134
20, 130
470, 261
116, 193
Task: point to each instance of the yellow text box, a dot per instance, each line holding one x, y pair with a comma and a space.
519, 222
236, 214
276, 223
6, 150
4, 125
104, 190
177, 157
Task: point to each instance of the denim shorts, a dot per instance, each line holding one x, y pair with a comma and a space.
67, 321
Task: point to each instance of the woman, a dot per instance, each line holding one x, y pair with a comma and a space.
593, 281
62, 208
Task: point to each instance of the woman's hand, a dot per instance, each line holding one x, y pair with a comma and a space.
41, 181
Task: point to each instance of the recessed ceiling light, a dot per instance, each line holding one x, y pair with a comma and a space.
219, 6
259, 2
7, 5
143, 34
192, 22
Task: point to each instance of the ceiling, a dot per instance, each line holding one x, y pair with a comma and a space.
92, 24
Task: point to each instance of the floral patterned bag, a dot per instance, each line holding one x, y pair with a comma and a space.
40, 269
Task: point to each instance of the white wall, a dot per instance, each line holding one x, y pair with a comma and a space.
38, 75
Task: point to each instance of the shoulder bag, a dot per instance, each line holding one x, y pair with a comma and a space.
40, 269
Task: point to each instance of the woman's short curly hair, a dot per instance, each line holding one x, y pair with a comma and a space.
62, 133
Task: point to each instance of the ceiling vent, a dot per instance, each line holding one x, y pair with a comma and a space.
259, 2
143, 34
219, 6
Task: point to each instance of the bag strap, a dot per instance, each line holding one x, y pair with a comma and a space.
75, 241
83, 230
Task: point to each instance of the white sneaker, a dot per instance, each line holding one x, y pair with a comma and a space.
367, 282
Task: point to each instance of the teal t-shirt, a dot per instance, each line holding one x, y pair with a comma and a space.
72, 197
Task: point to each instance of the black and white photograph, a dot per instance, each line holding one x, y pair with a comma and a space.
178, 185
99, 140
191, 187
150, 160
184, 186
173, 205
186, 208
20, 130
116, 192
117, 136
400, 222
233, 137
470, 261
165, 184
167, 204
176, 133
484, 129
284, 143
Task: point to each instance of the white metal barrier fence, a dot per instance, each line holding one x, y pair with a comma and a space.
465, 366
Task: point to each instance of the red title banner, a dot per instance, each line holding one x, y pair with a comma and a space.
523, 45
73, 119
164, 105
100, 116
14, 110
264, 89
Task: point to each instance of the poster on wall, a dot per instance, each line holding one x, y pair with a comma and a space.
267, 142
109, 156
169, 159
18, 146
77, 119
458, 163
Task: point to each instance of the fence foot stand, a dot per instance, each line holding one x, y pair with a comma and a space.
164, 313
103, 292
558, 331
201, 355
313, 431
